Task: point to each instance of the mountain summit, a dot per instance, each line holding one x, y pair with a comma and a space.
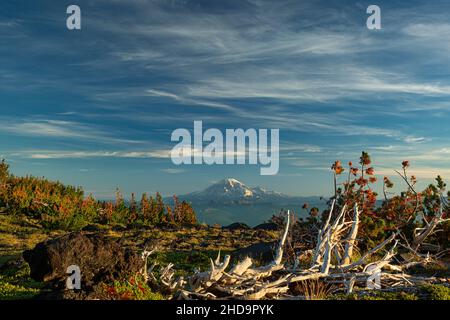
233, 190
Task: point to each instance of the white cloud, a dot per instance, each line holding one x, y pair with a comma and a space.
412, 139
189, 101
173, 170
428, 30
418, 171
51, 154
57, 129
309, 148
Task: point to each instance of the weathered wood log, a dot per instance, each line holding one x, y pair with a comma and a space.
351, 238
430, 226
363, 259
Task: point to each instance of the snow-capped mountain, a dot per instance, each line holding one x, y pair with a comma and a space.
232, 190
230, 200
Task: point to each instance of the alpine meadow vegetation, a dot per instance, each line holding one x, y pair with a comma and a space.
58, 206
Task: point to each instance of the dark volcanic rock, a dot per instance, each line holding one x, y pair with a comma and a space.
267, 226
236, 226
118, 228
99, 258
262, 251
92, 228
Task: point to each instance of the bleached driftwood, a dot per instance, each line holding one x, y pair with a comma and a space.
351, 237
422, 233
331, 263
242, 281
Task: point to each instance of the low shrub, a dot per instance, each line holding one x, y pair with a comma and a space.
133, 288
437, 291
59, 206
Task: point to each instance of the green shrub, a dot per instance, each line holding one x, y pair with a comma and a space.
376, 295
431, 269
437, 291
59, 206
73, 223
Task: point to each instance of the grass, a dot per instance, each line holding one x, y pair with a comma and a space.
375, 295
19, 233
15, 282
424, 292
313, 289
389, 296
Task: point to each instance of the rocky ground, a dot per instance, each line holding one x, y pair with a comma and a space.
107, 252
189, 248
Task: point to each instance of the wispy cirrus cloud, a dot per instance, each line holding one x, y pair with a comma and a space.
309, 68
422, 172
189, 101
58, 129
429, 30
71, 154
173, 170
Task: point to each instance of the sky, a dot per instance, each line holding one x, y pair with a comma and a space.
96, 107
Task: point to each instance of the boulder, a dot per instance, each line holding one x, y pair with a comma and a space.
262, 252
236, 226
99, 258
270, 226
92, 228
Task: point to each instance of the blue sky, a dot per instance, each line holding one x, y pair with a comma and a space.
96, 107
